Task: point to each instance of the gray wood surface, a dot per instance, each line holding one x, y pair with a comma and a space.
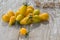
44, 31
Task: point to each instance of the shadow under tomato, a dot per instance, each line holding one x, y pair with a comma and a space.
45, 22
33, 26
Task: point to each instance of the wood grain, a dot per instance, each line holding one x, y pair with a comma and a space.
43, 31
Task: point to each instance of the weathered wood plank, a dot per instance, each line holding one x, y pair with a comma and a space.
47, 31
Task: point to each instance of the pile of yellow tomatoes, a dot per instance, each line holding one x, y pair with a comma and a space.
25, 15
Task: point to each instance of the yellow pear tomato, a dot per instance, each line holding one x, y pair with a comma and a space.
44, 16
19, 17
30, 7
12, 20
5, 18
22, 9
29, 11
10, 13
23, 31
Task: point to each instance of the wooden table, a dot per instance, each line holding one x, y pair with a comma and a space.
44, 31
